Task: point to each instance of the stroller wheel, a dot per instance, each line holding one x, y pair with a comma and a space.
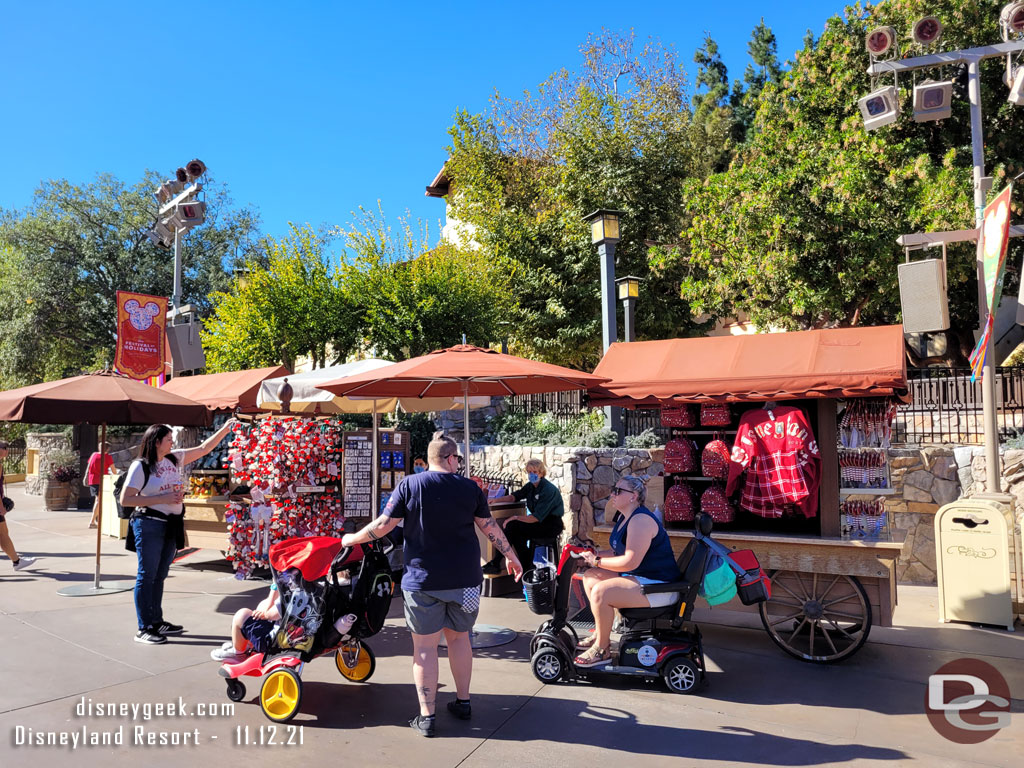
547, 664
355, 661
236, 690
281, 695
681, 675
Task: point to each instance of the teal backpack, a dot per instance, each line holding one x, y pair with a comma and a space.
719, 584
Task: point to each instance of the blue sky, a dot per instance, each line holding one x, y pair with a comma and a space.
306, 110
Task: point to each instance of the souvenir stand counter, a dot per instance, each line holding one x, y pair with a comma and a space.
781, 438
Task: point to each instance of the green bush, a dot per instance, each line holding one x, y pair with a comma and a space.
585, 430
63, 466
646, 439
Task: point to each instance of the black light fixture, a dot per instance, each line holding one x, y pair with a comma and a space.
604, 226
629, 290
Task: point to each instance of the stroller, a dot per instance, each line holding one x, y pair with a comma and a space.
313, 599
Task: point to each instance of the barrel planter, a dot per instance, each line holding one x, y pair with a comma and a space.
55, 494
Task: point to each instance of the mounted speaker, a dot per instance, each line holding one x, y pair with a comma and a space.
186, 348
923, 296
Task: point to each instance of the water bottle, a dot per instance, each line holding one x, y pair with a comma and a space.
344, 624
657, 514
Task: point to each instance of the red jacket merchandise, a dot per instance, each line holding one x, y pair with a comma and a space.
777, 454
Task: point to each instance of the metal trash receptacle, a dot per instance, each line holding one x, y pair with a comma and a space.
973, 548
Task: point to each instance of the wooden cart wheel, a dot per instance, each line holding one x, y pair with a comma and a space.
820, 618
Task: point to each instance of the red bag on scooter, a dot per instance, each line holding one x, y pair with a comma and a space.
754, 586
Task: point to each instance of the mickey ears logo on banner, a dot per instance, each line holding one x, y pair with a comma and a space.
141, 317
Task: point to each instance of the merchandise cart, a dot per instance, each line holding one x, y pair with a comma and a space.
834, 574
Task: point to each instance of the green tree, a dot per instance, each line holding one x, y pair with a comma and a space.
714, 125
763, 68
617, 134
288, 305
65, 256
801, 231
413, 299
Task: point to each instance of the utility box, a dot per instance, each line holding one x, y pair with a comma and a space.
974, 546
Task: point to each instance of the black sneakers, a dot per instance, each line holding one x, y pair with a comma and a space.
149, 636
461, 708
423, 725
166, 628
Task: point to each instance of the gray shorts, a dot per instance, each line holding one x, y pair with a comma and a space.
431, 611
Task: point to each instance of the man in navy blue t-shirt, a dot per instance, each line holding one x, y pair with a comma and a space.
441, 587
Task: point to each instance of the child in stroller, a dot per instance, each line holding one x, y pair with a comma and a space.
315, 608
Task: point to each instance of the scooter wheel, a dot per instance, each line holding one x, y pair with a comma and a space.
548, 665
681, 675
236, 690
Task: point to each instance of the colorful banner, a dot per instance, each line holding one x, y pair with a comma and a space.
141, 334
992, 242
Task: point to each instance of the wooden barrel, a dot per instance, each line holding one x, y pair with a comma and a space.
55, 495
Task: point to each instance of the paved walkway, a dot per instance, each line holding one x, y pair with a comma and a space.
61, 655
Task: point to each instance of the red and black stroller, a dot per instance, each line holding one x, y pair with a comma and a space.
313, 599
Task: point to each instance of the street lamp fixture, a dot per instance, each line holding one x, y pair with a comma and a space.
629, 290
605, 232
604, 226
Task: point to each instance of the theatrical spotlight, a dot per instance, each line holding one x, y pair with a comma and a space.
1011, 19
927, 31
880, 40
932, 100
879, 108
1017, 88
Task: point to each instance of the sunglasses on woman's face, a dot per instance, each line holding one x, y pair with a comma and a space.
616, 490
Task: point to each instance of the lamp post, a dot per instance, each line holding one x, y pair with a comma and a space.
1012, 22
629, 289
604, 233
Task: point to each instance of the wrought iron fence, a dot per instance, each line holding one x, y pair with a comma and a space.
635, 422
564, 407
14, 463
947, 407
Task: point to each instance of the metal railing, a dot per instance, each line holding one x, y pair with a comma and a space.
635, 422
14, 463
564, 407
947, 407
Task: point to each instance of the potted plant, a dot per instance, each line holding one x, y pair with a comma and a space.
59, 480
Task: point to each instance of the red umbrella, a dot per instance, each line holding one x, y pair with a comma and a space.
463, 370
99, 398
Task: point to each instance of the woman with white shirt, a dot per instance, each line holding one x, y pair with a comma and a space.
155, 488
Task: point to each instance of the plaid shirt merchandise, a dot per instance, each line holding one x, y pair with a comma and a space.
776, 458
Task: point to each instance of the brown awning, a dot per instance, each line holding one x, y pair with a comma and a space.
840, 362
225, 391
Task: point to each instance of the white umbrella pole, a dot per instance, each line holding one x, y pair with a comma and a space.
99, 502
465, 417
375, 495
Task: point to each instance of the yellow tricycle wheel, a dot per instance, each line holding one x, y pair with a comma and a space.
355, 661
280, 695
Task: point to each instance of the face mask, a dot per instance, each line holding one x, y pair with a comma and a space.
417, 469
533, 477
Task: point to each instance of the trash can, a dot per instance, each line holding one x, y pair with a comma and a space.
973, 542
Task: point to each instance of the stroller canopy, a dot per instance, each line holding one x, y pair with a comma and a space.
312, 555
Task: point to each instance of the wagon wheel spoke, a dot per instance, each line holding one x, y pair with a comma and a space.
839, 629
800, 581
814, 587
828, 589
787, 604
796, 629
785, 618
846, 615
795, 596
828, 638
811, 648
843, 599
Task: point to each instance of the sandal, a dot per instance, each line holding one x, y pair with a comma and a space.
587, 641
593, 657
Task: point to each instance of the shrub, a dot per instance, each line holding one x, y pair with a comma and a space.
646, 439
585, 430
63, 466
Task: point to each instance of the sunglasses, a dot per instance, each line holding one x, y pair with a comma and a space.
616, 490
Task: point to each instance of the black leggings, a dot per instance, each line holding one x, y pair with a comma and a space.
519, 533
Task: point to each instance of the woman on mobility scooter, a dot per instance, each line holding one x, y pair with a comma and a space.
640, 555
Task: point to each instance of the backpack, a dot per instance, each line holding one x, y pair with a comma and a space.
125, 513
370, 595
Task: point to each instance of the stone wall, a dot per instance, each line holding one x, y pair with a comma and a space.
584, 476
924, 479
45, 444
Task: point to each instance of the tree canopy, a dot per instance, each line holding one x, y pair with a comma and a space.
800, 230
63, 259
